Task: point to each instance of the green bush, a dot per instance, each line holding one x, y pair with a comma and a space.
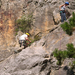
71, 50
72, 20
68, 26
61, 55
24, 24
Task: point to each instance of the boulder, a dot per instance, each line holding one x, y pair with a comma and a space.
28, 61
56, 16
64, 71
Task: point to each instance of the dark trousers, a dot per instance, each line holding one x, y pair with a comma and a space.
22, 42
63, 16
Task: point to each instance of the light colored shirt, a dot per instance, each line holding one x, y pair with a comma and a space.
23, 37
63, 7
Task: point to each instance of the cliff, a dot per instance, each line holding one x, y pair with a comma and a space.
38, 58
45, 16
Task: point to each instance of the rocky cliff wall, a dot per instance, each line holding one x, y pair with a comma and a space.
6, 29
38, 59
43, 17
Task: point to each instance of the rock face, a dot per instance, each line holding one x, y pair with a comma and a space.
57, 38
43, 17
31, 61
7, 30
56, 16
38, 59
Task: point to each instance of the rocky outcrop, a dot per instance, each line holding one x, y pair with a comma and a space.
29, 61
63, 71
7, 36
45, 16
38, 58
5, 54
56, 16
57, 38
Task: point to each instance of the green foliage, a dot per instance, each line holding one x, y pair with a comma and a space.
61, 55
71, 50
68, 26
24, 24
72, 20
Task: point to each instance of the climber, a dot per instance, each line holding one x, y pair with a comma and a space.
22, 40
63, 12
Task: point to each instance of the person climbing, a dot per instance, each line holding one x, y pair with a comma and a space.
63, 11
22, 40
